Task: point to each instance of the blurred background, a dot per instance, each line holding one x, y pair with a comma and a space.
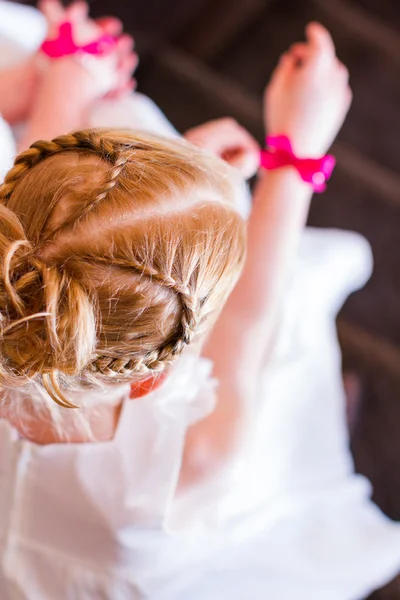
203, 59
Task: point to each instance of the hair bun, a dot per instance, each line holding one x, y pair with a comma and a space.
47, 320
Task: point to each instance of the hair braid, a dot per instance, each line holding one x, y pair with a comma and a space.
111, 181
89, 141
157, 359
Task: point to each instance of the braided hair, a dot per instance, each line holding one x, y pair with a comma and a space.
115, 250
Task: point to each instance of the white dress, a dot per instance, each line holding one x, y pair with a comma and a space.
288, 520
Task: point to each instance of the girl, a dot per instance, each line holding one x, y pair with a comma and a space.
119, 258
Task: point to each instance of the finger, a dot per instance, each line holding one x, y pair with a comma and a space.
285, 67
320, 42
299, 52
127, 65
52, 10
125, 71
124, 44
127, 87
110, 26
77, 12
122, 90
224, 134
342, 69
246, 161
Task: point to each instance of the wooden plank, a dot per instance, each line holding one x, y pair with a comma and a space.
217, 24
374, 352
364, 25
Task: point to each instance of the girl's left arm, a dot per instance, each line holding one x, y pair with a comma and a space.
61, 103
307, 100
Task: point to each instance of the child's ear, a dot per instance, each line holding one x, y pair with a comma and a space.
146, 386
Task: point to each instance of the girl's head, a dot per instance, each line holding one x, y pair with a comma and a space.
117, 251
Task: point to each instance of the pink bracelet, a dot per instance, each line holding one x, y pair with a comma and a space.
315, 171
64, 45
86, 55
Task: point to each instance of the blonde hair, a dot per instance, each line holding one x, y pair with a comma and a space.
117, 250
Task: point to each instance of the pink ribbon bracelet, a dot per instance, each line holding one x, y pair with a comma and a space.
64, 45
315, 171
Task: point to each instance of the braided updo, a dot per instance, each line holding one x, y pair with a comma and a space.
117, 251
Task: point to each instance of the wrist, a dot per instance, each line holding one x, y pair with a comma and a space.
305, 144
61, 104
279, 153
308, 148
304, 147
68, 84
286, 176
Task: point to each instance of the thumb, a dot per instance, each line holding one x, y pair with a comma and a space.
322, 48
285, 67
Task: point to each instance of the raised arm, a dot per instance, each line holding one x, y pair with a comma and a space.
307, 100
66, 88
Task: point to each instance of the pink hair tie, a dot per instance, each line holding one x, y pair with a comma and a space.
315, 171
64, 45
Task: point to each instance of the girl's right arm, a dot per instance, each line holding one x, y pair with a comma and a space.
307, 100
66, 89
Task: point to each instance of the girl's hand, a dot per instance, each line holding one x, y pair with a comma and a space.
113, 71
309, 95
69, 85
230, 141
77, 13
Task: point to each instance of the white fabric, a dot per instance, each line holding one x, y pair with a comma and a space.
288, 520
22, 30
